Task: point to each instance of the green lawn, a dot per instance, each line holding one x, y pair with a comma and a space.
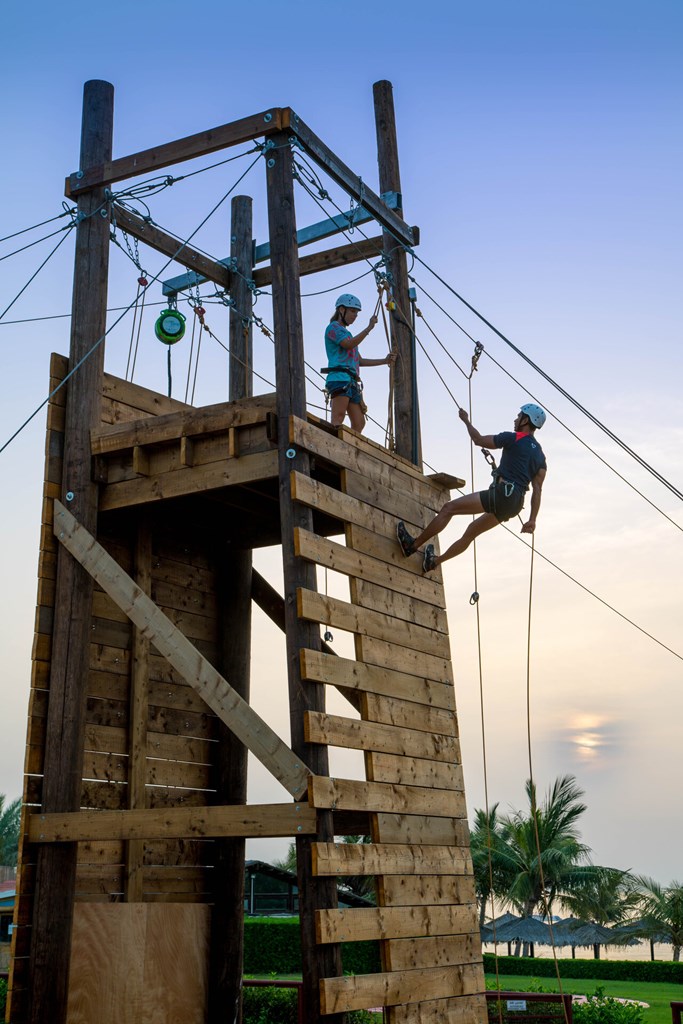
658, 994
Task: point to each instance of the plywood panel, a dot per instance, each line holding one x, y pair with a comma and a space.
138, 964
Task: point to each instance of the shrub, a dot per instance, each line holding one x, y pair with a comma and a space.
602, 1009
273, 944
279, 1006
3, 997
617, 970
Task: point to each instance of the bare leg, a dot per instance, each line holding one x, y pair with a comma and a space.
479, 526
356, 417
468, 504
340, 404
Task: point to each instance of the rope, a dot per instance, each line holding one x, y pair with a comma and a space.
389, 438
127, 309
189, 361
142, 281
33, 276
532, 784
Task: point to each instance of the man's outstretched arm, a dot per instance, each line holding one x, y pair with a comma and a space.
481, 440
536, 487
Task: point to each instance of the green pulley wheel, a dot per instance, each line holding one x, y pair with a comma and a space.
170, 326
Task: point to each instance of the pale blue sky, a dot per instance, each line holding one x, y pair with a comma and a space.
541, 152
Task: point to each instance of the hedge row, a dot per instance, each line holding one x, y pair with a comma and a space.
618, 970
273, 944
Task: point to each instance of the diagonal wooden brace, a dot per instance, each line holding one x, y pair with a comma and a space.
239, 717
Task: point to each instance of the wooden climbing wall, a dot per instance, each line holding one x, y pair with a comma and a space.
426, 918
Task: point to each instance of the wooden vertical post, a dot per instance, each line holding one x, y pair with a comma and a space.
241, 328
62, 783
139, 714
234, 604
405, 406
314, 893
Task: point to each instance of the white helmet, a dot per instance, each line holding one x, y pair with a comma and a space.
349, 301
534, 413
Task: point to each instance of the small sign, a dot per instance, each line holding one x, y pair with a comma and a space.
516, 1004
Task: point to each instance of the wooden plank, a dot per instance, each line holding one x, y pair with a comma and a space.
339, 256
399, 504
189, 480
373, 679
351, 795
377, 598
387, 550
458, 1010
331, 611
351, 563
139, 400
187, 422
377, 652
355, 735
220, 697
413, 771
349, 181
407, 714
332, 449
427, 829
365, 924
407, 954
150, 160
177, 822
346, 508
358, 992
413, 890
171, 246
388, 859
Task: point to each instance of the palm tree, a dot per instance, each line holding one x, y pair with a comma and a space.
662, 912
9, 831
551, 828
605, 897
490, 859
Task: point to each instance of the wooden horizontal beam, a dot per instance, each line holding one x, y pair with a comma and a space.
176, 152
328, 259
181, 252
216, 692
364, 924
350, 182
357, 992
173, 823
353, 795
210, 419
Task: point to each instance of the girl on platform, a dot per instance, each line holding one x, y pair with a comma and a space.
343, 383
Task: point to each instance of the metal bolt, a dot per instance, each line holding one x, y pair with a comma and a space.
291, 453
298, 828
70, 495
79, 174
271, 162
268, 117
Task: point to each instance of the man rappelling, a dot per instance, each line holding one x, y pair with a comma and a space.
522, 465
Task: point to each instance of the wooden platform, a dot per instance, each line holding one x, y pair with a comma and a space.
192, 478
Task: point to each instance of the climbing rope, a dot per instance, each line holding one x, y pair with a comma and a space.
135, 338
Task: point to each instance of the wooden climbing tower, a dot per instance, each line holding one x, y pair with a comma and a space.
130, 892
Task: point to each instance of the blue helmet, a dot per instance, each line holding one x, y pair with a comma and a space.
348, 301
534, 413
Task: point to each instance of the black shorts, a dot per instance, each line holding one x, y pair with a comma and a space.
503, 499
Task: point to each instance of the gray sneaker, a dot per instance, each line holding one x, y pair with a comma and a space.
429, 559
405, 540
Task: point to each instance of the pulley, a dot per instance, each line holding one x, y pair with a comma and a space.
170, 326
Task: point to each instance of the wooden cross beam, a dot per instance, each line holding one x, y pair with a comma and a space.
240, 718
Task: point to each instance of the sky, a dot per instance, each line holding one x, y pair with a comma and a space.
540, 149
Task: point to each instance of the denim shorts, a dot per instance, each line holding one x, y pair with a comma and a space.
503, 506
352, 391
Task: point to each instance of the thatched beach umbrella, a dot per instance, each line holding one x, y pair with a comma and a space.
525, 929
574, 932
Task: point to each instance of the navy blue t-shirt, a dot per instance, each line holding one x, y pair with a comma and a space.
522, 457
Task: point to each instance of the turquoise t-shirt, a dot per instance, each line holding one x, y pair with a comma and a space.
338, 356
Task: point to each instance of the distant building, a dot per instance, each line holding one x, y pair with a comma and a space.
269, 890
8, 891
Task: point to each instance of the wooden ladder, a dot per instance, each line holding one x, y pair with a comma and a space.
426, 916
